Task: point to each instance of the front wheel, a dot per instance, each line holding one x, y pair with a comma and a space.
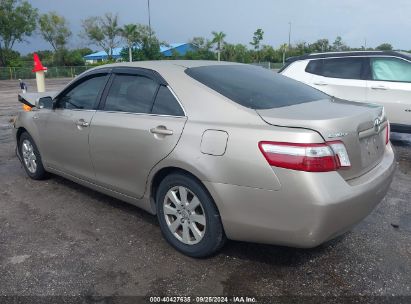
188, 217
30, 157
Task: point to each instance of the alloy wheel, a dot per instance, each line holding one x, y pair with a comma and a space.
184, 215
29, 158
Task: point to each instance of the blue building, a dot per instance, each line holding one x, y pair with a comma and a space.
167, 51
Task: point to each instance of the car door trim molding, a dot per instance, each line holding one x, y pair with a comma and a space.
142, 72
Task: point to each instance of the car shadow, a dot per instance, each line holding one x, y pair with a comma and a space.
400, 139
269, 254
106, 199
277, 255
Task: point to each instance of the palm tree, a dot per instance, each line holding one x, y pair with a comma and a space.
131, 35
284, 48
218, 39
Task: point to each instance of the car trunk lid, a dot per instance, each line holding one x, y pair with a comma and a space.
361, 127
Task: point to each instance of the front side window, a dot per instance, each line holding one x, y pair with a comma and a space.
131, 93
166, 104
85, 95
254, 87
391, 69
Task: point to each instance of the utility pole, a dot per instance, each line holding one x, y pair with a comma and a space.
149, 18
289, 36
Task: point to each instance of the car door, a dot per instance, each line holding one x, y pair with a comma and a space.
390, 86
65, 131
340, 77
139, 122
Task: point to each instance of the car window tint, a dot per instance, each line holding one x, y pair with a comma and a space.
314, 67
254, 87
391, 69
131, 93
166, 103
85, 95
347, 68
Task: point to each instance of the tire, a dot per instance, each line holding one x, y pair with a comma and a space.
200, 240
30, 157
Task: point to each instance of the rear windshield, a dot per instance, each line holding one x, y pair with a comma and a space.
254, 87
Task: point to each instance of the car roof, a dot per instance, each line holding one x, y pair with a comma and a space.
165, 65
198, 100
349, 54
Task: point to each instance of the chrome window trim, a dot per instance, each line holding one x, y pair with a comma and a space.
178, 100
134, 113
362, 56
83, 110
152, 114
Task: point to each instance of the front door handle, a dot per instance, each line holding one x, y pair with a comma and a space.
82, 123
379, 88
161, 130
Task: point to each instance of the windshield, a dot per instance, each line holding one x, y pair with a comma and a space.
255, 87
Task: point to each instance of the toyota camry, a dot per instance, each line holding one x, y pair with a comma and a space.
216, 150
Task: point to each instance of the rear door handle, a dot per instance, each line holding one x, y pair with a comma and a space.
321, 83
161, 130
82, 123
379, 88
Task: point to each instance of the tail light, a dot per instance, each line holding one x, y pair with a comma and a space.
387, 133
323, 157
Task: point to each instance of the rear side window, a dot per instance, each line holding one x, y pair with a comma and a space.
254, 87
314, 67
166, 104
346, 68
391, 69
131, 93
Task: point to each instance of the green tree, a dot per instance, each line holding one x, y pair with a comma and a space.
283, 50
384, 47
257, 38
202, 49
321, 45
268, 53
339, 45
103, 32
17, 21
132, 36
84, 51
301, 48
218, 39
201, 43
147, 47
228, 52
150, 48
55, 30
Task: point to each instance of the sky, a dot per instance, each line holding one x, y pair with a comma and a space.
175, 21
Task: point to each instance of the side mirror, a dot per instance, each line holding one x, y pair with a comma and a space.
44, 102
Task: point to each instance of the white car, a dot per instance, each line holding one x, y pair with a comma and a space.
374, 77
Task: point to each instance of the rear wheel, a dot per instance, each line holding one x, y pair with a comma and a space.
31, 157
188, 217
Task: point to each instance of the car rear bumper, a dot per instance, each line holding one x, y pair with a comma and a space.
309, 209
